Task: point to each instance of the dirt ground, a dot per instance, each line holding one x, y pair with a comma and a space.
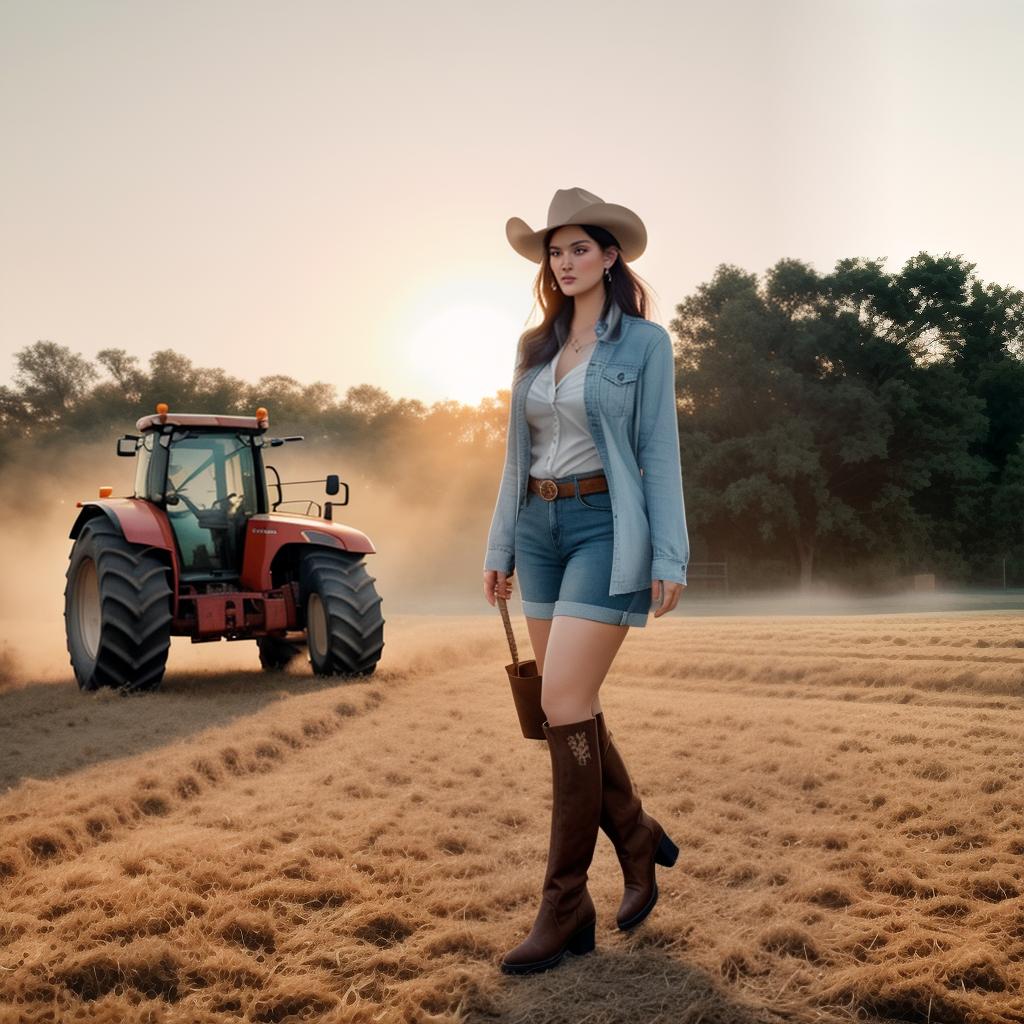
847, 793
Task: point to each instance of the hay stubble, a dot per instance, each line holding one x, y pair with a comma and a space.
847, 794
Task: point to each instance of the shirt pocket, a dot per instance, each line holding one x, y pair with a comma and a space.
618, 388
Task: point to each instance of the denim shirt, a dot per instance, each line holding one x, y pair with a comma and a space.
630, 401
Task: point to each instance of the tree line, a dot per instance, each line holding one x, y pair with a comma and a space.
852, 425
863, 422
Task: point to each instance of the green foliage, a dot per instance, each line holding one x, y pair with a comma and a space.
50, 382
851, 416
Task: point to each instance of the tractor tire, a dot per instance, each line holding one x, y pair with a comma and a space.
117, 610
344, 625
277, 654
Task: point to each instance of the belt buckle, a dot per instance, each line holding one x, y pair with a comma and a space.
548, 490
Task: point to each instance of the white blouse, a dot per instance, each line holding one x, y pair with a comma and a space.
561, 443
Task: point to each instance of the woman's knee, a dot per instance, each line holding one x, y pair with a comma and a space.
567, 714
566, 704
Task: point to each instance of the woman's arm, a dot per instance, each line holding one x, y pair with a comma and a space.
501, 535
658, 457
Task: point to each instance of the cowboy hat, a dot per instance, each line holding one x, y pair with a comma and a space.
578, 206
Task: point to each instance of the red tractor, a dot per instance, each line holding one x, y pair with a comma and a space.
199, 550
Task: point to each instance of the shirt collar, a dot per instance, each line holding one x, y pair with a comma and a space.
609, 325
608, 328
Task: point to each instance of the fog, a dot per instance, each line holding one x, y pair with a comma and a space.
430, 543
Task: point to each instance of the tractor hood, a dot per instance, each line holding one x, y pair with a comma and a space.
311, 530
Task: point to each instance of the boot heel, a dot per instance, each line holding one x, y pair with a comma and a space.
583, 941
666, 853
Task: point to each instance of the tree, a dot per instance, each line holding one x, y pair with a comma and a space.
172, 379
979, 333
124, 371
49, 381
369, 400
811, 414
290, 402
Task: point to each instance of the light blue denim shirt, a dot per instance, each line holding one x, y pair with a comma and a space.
630, 400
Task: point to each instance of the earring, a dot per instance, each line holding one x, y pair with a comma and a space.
554, 287
607, 275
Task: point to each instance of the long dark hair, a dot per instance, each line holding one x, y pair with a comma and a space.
538, 344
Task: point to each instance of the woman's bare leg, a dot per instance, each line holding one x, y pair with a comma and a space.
577, 657
540, 630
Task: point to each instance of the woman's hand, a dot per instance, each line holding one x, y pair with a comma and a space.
669, 595
497, 584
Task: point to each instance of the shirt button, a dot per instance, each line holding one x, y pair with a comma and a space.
621, 375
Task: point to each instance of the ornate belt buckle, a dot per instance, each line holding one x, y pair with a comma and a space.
548, 490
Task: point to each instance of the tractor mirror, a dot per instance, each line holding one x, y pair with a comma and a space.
127, 445
333, 484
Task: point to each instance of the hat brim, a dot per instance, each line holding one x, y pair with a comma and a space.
622, 222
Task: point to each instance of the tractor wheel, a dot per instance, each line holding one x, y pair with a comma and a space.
117, 610
277, 654
344, 626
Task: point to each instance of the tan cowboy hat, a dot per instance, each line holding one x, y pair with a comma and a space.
578, 206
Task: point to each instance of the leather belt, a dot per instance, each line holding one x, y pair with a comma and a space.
549, 489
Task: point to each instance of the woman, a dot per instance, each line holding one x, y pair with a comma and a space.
590, 511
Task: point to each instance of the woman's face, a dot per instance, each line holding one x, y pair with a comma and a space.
577, 261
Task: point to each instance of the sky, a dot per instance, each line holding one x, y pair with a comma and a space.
320, 189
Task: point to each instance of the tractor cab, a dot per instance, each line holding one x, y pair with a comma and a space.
209, 478
211, 493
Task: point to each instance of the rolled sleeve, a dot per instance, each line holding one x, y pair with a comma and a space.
658, 456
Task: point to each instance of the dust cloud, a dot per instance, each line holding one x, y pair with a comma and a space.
427, 518
427, 522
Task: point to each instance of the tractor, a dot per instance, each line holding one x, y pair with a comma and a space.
200, 550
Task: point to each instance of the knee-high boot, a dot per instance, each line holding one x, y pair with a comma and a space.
639, 840
567, 918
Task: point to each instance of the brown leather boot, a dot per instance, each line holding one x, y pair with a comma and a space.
639, 840
567, 918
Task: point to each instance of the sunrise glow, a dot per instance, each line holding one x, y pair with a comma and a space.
459, 339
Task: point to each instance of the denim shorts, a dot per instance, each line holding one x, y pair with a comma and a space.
563, 559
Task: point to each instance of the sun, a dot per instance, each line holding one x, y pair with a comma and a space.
459, 341
454, 353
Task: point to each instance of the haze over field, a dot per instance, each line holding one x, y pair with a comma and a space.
428, 560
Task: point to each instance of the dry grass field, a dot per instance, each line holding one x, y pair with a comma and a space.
847, 793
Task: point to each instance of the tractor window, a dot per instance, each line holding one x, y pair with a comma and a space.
211, 493
145, 459
241, 479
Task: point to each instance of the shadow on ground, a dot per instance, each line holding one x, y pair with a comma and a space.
50, 729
